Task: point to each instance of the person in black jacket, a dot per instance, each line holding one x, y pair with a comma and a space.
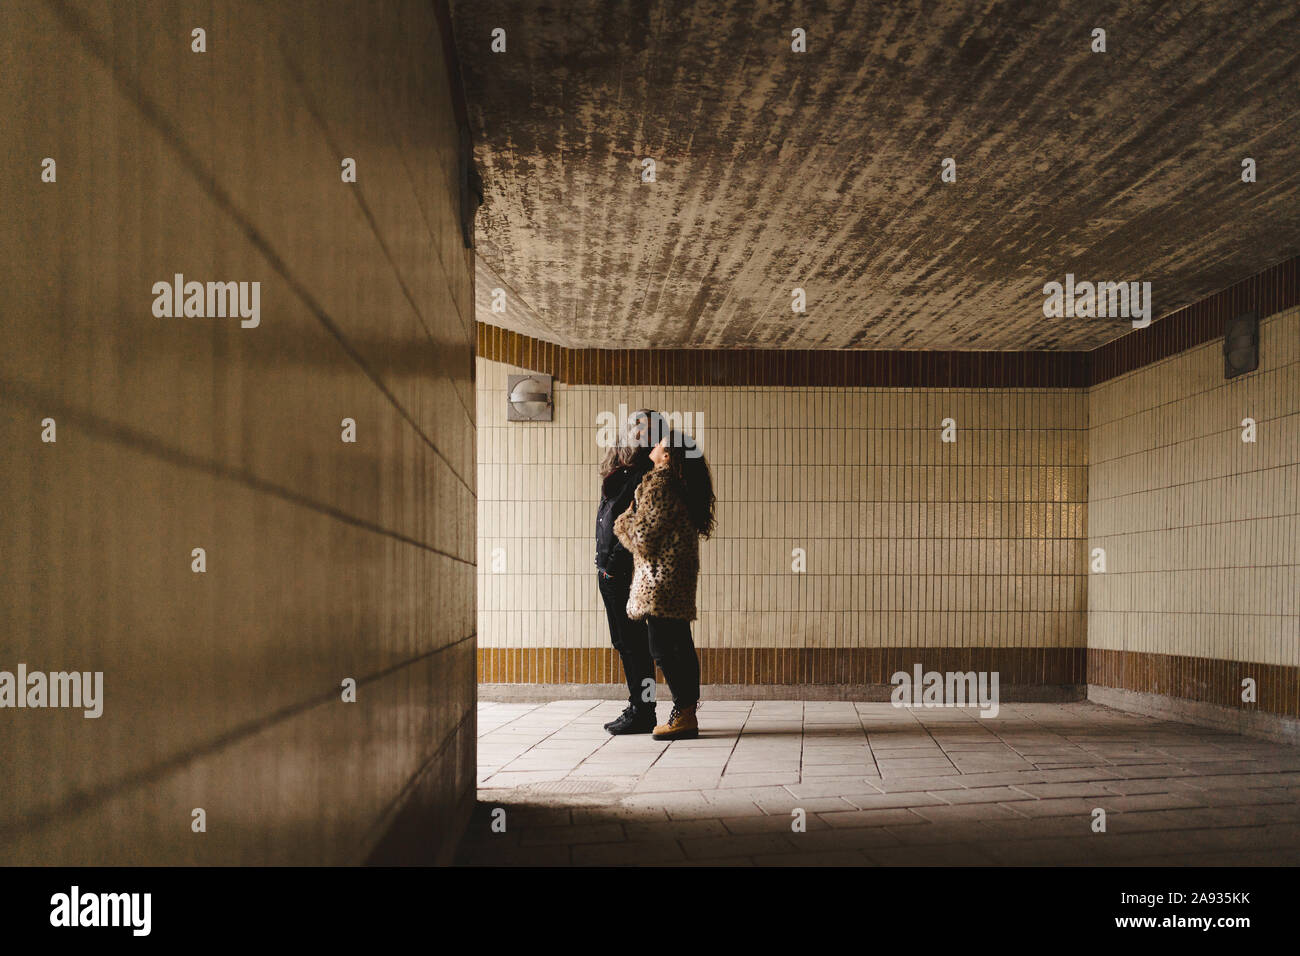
622, 469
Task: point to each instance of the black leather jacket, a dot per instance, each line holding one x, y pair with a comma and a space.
615, 497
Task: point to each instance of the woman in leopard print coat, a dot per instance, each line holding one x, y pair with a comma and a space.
665, 549
670, 511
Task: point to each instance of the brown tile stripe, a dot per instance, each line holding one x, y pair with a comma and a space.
1208, 680
785, 367
1267, 292
1193, 678
1270, 291
772, 665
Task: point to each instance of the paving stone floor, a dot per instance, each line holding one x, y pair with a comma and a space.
878, 785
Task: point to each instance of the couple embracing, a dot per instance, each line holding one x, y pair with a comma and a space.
656, 502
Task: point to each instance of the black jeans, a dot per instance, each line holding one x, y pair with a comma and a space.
630, 638
674, 652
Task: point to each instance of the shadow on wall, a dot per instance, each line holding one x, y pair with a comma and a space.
195, 521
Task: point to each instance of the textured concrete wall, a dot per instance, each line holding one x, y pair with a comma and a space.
325, 560
1201, 530
910, 542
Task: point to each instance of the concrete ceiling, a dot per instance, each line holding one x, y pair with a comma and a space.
822, 170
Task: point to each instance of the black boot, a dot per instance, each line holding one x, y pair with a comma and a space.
633, 720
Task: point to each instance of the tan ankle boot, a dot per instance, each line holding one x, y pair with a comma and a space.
681, 725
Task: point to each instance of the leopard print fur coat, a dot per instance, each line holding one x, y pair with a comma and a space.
665, 548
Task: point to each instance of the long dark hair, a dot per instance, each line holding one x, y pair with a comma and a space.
686, 464
624, 452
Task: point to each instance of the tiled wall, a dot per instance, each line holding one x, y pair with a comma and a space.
324, 560
910, 542
640, 372
1201, 530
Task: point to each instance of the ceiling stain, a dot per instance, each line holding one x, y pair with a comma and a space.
821, 170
